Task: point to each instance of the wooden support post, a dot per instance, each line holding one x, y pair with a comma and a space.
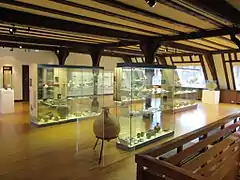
96, 55
149, 49
225, 71
162, 60
127, 59
231, 69
211, 65
203, 67
62, 54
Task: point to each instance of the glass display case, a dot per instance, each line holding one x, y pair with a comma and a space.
61, 94
185, 97
108, 82
144, 96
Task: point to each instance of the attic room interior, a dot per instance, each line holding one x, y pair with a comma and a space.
118, 89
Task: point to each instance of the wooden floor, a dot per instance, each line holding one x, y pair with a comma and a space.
64, 152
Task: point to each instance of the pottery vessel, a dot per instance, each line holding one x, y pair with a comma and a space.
106, 126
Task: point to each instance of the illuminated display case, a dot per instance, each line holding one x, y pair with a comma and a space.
185, 94
144, 97
61, 94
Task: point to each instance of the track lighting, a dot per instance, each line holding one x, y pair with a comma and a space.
20, 47
12, 30
151, 3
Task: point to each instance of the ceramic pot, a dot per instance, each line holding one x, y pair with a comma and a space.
106, 126
95, 105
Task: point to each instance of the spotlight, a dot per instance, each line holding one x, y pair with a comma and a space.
11, 49
12, 30
20, 47
151, 3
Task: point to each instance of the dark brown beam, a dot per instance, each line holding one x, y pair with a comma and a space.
62, 54
226, 51
77, 16
112, 14
41, 41
212, 67
231, 69
139, 11
127, 59
149, 49
161, 60
185, 47
225, 71
219, 8
191, 59
200, 34
32, 20
203, 67
171, 59
96, 54
145, 13
187, 10
182, 59
218, 44
235, 56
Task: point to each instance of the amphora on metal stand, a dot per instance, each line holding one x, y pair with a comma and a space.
105, 127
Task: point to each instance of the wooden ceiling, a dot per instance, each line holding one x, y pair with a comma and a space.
181, 26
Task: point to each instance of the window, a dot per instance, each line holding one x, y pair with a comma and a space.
190, 76
236, 72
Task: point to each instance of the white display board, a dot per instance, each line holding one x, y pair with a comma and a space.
210, 97
6, 101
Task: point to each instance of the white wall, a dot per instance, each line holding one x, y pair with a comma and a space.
20, 57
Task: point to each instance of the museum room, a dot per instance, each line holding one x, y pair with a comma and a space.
119, 89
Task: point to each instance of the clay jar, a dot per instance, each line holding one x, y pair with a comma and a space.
106, 126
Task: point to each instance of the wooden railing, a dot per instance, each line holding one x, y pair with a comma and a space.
211, 152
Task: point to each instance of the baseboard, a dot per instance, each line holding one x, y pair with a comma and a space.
19, 100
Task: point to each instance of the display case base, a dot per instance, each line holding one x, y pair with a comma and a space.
63, 121
137, 146
185, 108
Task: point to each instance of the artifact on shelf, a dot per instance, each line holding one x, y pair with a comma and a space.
211, 85
106, 126
95, 105
157, 128
62, 111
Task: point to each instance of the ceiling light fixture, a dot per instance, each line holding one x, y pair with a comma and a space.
20, 47
151, 3
12, 30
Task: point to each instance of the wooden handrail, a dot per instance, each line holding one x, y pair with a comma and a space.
183, 139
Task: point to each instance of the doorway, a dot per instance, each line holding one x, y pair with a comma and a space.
25, 83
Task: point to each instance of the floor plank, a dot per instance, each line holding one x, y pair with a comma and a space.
50, 153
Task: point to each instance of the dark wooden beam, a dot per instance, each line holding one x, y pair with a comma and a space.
62, 54
231, 69
235, 40
133, 9
77, 16
127, 59
185, 47
219, 8
191, 59
96, 54
113, 14
182, 59
200, 34
171, 59
41, 41
225, 71
161, 60
212, 67
203, 67
32, 20
149, 49
185, 9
